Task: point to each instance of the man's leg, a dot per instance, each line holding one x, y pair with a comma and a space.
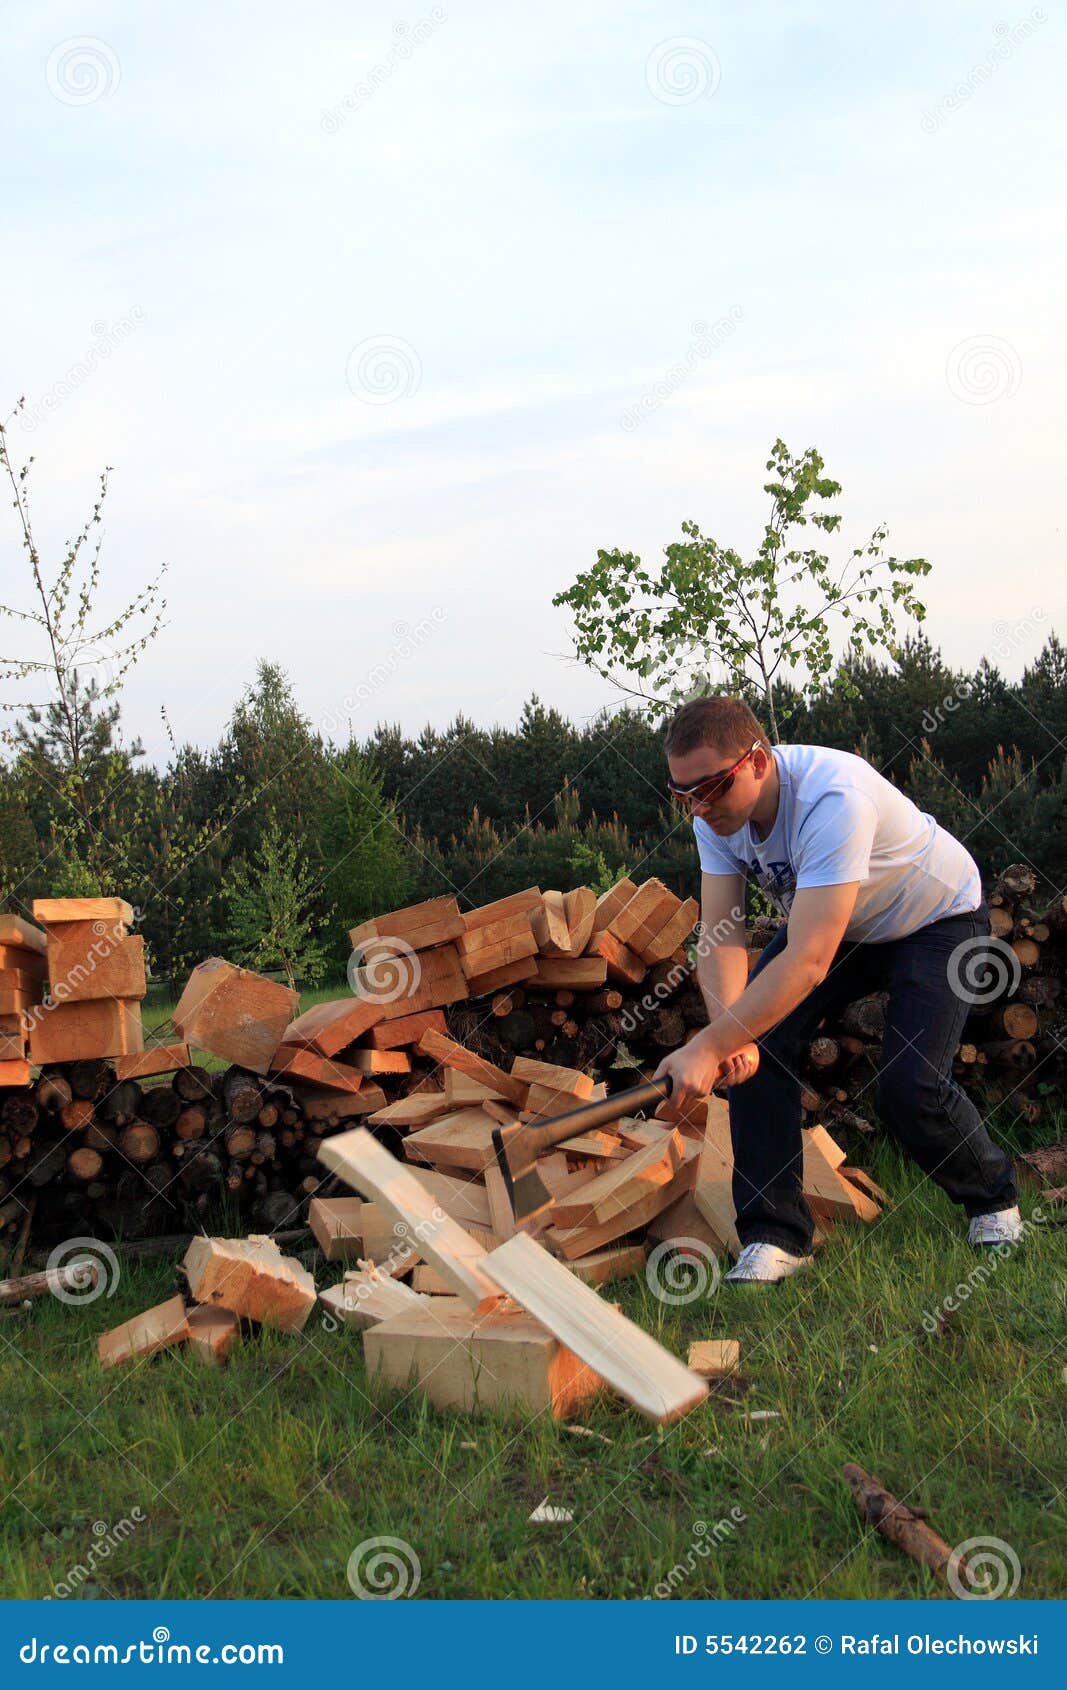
765, 1112
917, 1099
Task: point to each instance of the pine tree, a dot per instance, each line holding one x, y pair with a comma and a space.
271, 901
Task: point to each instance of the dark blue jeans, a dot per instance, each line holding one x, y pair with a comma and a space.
917, 1099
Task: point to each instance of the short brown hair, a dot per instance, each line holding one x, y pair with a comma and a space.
725, 723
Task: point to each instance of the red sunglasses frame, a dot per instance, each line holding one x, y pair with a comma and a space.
712, 786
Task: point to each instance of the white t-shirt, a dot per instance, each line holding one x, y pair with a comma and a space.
839, 820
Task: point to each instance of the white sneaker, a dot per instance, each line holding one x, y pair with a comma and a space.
764, 1264
1003, 1227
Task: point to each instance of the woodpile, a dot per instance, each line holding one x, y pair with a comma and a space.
532, 1004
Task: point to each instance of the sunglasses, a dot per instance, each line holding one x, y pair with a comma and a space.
712, 786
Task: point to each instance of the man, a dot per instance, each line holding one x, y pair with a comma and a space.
878, 898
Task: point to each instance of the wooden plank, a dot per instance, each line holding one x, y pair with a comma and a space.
380, 1061
29, 961
620, 1187
250, 1277
643, 908
579, 908
682, 1223
329, 1106
404, 1029
437, 980
154, 1059
234, 1013
427, 1280
676, 931
329, 1027
75, 1032
462, 1139
398, 924
156, 1329
461, 1090
519, 948
15, 931
504, 1361
605, 1267
300, 1063
819, 1139
14, 1071
620, 963
360, 1160
493, 933
386, 1244
365, 1298
828, 1196
713, 1192
509, 975
464, 1199
549, 924
338, 1226
530, 1071
628, 1359
516, 903
453, 1055
49, 910
611, 902
414, 1111
545, 1102
582, 1240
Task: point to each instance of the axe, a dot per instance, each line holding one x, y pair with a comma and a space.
517, 1144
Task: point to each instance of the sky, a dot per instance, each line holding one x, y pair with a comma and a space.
387, 320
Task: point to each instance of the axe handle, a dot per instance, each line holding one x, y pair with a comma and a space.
528, 1141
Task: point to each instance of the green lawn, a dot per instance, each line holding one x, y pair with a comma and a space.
261, 1479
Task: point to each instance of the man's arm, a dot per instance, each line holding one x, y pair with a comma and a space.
722, 965
817, 923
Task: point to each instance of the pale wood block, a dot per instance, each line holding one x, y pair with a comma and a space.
493, 933
572, 1242
462, 1139
549, 925
605, 1267
417, 1110
682, 1224
511, 974
76, 1032
627, 1358
329, 1027
53, 910
338, 1226
156, 1329
611, 902
404, 1029
388, 1244
250, 1277
299, 1063
14, 1071
580, 974
431, 1283
91, 964
154, 1059
212, 1333
380, 1061
621, 965
676, 931
329, 1106
461, 1091
456, 1056
644, 908
713, 1192
15, 931
365, 1164
234, 1013
516, 903
436, 980
528, 1070
503, 1361
400, 924
619, 1188
714, 1358
579, 909
365, 1298
478, 964
465, 1199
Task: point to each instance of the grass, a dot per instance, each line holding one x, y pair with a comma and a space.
261, 1479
